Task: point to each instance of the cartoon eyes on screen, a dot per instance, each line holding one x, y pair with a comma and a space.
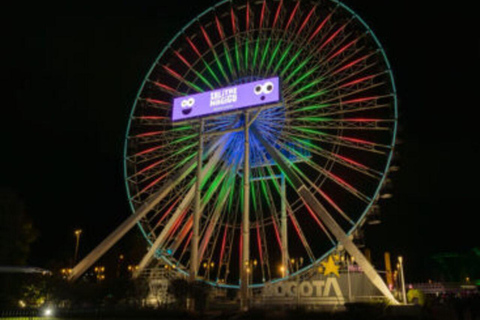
187, 105
262, 89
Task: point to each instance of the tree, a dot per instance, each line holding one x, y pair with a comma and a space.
179, 288
17, 232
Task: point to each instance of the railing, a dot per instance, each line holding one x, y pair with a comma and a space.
20, 314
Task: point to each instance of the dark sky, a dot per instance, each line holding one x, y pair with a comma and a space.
74, 68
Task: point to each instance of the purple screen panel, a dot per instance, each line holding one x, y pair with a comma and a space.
226, 99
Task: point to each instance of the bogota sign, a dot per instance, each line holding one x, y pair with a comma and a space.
328, 288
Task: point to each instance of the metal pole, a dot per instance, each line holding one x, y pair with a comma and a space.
402, 278
196, 214
245, 220
77, 235
349, 280
283, 220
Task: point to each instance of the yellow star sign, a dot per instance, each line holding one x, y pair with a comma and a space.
330, 267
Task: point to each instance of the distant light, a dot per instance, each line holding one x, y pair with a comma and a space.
48, 312
386, 196
374, 221
22, 303
394, 168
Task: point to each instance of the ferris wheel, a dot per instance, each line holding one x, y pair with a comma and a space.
314, 163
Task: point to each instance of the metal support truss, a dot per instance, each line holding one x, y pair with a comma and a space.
187, 200
196, 213
245, 268
128, 224
327, 219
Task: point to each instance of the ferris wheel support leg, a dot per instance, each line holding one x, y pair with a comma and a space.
283, 219
161, 238
187, 200
132, 220
196, 212
327, 219
244, 270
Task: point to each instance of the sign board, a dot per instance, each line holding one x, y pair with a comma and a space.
232, 98
321, 290
325, 291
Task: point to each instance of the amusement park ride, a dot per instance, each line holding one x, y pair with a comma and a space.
264, 130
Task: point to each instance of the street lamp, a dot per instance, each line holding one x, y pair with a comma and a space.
78, 232
402, 279
282, 270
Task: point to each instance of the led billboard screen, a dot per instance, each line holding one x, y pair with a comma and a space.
232, 98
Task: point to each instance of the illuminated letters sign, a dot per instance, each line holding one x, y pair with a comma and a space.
326, 289
242, 96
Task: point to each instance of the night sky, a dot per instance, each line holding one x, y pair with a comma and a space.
74, 69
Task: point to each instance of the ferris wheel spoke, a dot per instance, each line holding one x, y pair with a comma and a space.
305, 86
321, 25
215, 54
325, 123
207, 248
301, 236
229, 244
181, 79
307, 18
166, 231
176, 130
190, 67
323, 194
292, 15
186, 245
156, 103
320, 63
183, 233
259, 219
214, 216
237, 43
205, 63
226, 48
181, 209
333, 36
165, 212
356, 92
263, 245
319, 223
339, 181
153, 155
166, 88
352, 143
222, 251
337, 158
336, 109
163, 170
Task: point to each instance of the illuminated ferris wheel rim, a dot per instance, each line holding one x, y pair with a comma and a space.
388, 160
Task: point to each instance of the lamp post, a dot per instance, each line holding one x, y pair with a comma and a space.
78, 232
402, 279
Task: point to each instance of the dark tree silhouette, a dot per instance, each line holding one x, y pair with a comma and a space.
17, 232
